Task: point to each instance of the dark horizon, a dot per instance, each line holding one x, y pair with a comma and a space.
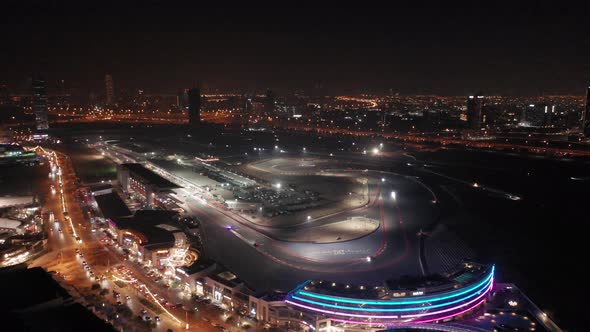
509, 49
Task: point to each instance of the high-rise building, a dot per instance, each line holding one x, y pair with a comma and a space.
269, 103
62, 96
40, 102
586, 115
4, 95
110, 89
194, 106
474, 111
532, 116
248, 107
548, 115
182, 99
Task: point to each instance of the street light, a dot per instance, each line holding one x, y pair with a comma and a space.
393, 195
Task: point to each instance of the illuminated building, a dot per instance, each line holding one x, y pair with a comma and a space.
194, 106
474, 111
532, 116
145, 185
40, 103
149, 237
4, 97
13, 153
182, 99
548, 115
586, 115
269, 103
110, 89
434, 300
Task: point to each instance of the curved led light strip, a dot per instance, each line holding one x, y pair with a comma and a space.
415, 322
392, 317
422, 300
336, 306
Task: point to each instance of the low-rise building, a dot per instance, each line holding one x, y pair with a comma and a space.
143, 184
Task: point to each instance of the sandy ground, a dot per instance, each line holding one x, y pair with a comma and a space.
336, 193
339, 231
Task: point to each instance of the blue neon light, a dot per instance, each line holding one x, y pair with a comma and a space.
422, 300
483, 289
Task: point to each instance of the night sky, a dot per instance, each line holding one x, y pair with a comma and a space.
411, 47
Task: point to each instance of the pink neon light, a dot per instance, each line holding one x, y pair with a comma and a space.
404, 316
457, 307
415, 322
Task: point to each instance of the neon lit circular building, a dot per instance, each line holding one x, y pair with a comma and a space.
404, 301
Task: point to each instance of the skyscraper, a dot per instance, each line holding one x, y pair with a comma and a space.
182, 99
194, 107
474, 111
40, 102
3, 95
269, 103
248, 105
548, 114
532, 116
110, 90
586, 115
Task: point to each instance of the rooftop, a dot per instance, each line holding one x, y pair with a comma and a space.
198, 266
43, 305
111, 205
148, 222
40, 288
149, 176
404, 286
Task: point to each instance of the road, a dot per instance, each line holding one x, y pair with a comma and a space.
102, 259
393, 249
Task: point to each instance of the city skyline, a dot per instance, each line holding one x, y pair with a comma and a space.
183, 166
429, 49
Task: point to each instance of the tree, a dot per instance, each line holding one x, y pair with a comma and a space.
124, 311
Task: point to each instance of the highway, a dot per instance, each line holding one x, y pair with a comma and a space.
61, 258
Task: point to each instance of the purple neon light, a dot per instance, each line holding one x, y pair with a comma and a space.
415, 322
389, 317
457, 307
